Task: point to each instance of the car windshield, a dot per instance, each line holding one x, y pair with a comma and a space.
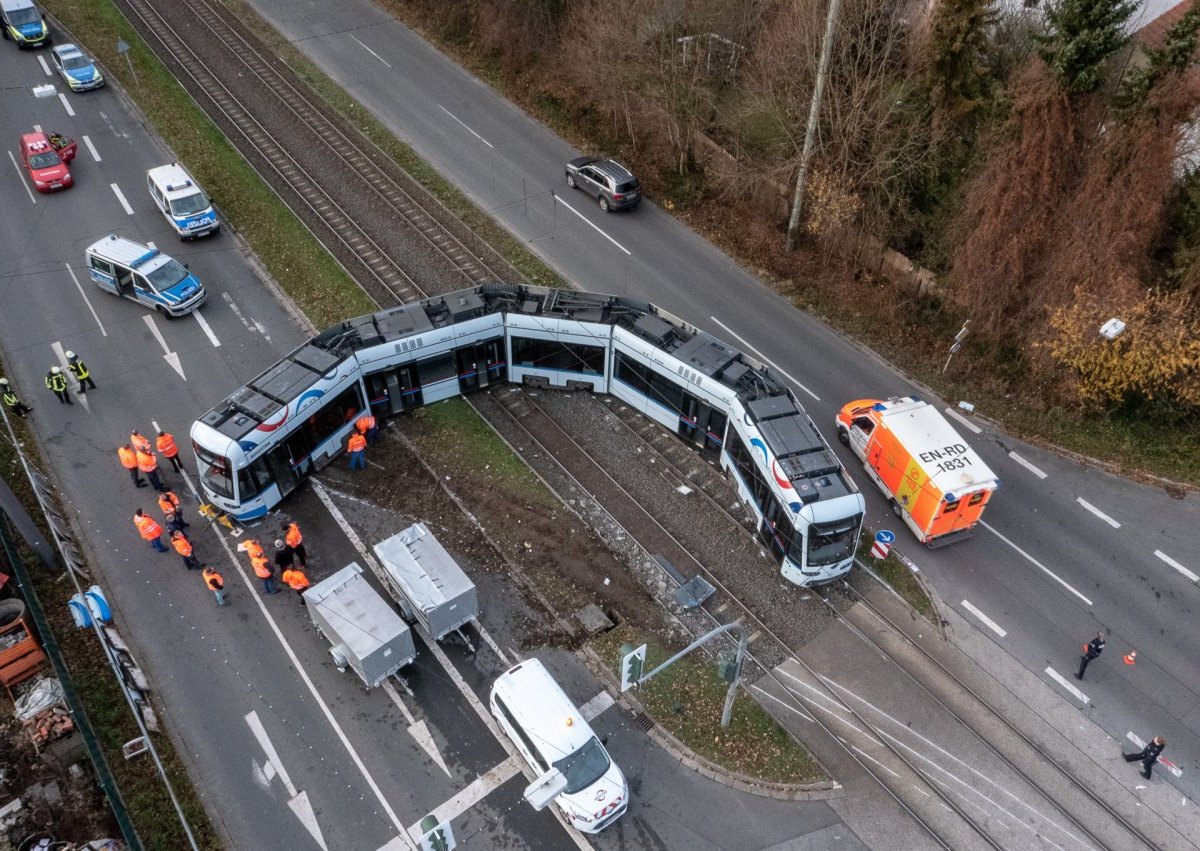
189, 205
46, 160
832, 543
21, 17
76, 62
584, 767
167, 275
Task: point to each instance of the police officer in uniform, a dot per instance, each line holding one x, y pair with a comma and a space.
1091, 650
57, 383
11, 401
82, 374
1148, 755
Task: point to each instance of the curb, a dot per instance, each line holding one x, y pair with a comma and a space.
704, 767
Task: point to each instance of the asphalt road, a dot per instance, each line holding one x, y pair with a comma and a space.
286, 751
1066, 550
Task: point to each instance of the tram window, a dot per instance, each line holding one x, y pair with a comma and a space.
437, 369
633, 374
252, 479
332, 416
551, 354
214, 469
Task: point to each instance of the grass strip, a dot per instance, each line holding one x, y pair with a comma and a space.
687, 699
896, 574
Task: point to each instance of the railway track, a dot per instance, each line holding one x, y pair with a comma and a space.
272, 135
1084, 804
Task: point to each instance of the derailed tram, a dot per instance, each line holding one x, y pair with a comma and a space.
258, 445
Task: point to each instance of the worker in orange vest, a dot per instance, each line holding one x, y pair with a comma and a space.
296, 541
367, 427
214, 583
357, 446
295, 579
149, 529
169, 503
129, 462
148, 464
166, 445
140, 442
264, 571
184, 547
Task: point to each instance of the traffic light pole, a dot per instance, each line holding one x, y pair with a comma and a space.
743, 643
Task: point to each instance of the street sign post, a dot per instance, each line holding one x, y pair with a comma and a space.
435, 835
883, 543
123, 47
633, 662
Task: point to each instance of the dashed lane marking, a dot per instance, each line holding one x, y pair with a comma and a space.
783, 703
479, 789
988, 622
763, 357
372, 52
86, 300
207, 329
121, 197
465, 127
66, 104
966, 423
1098, 512
91, 148
1062, 681
1027, 465
593, 226
1036, 563
1166, 558
867, 756
21, 177
45, 67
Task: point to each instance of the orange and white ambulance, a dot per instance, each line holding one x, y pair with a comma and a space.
936, 483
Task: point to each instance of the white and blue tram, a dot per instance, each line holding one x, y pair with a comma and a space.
258, 445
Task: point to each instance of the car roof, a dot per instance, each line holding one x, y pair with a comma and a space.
28, 140
536, 699
127, 252
65, 50
13, 5
174, 180
614, 169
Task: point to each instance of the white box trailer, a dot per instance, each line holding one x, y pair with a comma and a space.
365, 631
427, 583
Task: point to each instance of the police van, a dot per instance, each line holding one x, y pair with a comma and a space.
182, 201
145, 275
536, 714
24, 23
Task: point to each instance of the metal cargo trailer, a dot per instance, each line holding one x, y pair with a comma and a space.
427, 583
366, 633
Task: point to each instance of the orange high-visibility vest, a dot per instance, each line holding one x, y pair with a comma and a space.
357, 443
213, 579
166, 445
181, 544
254, 550
147, 463
295, 579
140, 442
168, 502
128, 458
147, 526
294, 539
262, 566
365, 423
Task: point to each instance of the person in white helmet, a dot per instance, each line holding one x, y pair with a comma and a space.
11, 401
57, 383
82, 374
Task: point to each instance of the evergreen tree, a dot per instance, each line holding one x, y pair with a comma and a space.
1176, 54
1082, 35
958, 40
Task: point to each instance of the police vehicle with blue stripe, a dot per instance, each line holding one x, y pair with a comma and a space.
24, 23
145, 275
179, 197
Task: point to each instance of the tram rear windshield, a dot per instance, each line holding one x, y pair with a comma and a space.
830, 543
215, 472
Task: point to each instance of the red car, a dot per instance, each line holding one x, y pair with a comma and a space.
46, 157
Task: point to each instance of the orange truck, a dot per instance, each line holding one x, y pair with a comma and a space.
936, 483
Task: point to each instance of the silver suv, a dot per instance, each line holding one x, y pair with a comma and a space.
613, 185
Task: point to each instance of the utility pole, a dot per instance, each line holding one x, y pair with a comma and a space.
810, 132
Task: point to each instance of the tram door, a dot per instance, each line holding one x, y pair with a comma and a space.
395, 390
280, 465
697, 421
476, 364
775, 529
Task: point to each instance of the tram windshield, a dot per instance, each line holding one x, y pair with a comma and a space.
216, 472
830, 543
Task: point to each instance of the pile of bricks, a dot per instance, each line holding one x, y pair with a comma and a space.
48, 725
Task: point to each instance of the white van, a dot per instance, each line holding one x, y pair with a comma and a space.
182, 201
145, 275
539, 718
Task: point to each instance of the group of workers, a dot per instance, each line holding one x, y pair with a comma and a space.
139, 458
56, 383
288, 551
366, 430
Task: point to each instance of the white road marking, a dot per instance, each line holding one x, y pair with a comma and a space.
583, 218
866, 755
62, 362
21, 177
1062, 681
963, 420
45, 68
1036, 563
1162, 761
465, 127
372, 52
419, 730
482, 786
298, 802
66, 104
207, 330
763, 357
1191, 576
251, 324
1027, 465
169, 356
121, 197
988, 622
782, 703
151, 245
1098, 512
86, 300
37, 128
491, 642
437, 652
91, 148
602, 701
120, 134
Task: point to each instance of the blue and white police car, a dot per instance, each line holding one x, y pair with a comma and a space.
145, 275
77, 69
24, 23
182, 201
